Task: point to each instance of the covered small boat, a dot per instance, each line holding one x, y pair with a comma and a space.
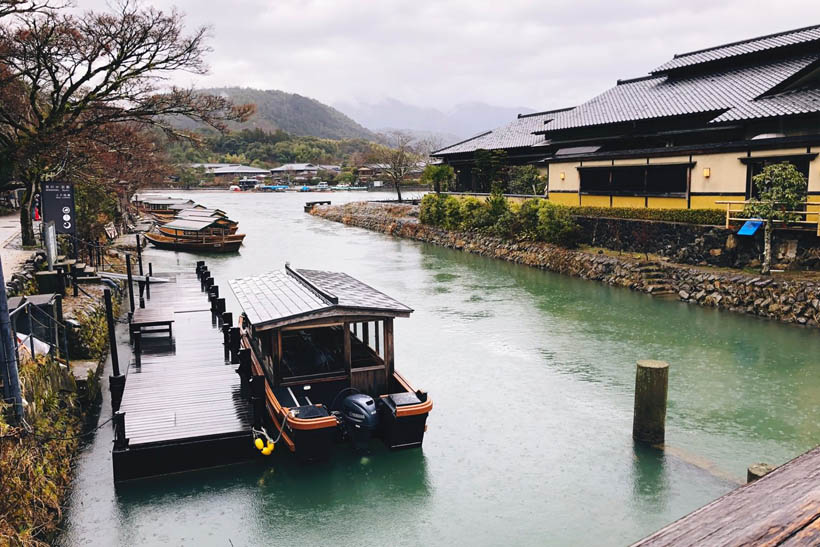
203, 234
322, 344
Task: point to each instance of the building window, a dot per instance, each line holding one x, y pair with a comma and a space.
754, 166
636, 180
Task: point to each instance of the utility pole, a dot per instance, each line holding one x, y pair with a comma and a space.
8, 361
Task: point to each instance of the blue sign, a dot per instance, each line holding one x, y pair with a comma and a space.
750, 227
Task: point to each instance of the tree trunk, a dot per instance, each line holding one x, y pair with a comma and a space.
767, 248
398, 189
26, 224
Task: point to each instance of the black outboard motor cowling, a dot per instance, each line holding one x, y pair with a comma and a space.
361, 418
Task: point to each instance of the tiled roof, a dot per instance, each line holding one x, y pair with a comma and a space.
516, 134
230, 169
188, 224
662, 96
744, 47
285, 296
800, 101
295, 167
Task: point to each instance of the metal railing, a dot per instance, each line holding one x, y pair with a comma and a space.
55, 332
732, 210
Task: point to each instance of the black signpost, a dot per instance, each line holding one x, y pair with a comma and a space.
57, 199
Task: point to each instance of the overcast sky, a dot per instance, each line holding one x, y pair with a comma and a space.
510, 52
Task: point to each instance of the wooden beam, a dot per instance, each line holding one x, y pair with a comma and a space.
389, 364
366, 333
346, 335
277, 359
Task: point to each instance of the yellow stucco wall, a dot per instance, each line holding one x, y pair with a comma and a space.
708, 201
563, 199
595, 201
667, 203
636, 202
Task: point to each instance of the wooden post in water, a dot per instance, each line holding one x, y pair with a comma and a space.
116, 381
130, 282
234, 344
651, 386
139, 254
227, 323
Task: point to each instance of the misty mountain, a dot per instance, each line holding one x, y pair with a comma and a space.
290, 112
462, 121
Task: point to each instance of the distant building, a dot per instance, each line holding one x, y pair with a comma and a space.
691, 133
295, 171
230, 171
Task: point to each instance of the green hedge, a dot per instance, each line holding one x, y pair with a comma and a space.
535, 219
687, 216
538, 219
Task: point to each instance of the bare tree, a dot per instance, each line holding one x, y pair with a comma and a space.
62, 77
399, 159
12, 7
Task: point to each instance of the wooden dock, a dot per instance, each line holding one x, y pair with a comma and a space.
183, 405
781, 508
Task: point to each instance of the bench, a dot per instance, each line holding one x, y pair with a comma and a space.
148, 320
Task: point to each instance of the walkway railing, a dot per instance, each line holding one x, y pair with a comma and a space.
54, 332
810, 219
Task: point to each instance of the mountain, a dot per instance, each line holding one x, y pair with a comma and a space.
290, 112
462, 121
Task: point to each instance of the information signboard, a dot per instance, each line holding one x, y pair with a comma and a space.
57, 199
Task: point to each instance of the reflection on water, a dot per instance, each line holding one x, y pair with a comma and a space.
529, 441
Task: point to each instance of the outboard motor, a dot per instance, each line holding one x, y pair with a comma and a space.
361, 419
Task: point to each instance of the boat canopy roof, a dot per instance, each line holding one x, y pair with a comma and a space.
201, 213
290, 296
167, 201
190, 225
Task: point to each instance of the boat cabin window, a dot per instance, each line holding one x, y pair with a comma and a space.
366, 348
313, 351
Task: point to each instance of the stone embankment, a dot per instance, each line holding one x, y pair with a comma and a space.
788, 300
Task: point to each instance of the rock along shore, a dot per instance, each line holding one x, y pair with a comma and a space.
786, 300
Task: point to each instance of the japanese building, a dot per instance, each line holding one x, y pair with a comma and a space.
689, 134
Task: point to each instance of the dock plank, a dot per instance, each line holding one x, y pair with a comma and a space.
781, 508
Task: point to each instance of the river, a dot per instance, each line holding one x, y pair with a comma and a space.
529, 441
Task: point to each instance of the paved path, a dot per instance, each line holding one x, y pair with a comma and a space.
10, 253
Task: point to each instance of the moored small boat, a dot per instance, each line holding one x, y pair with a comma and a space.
321, 344
213, 244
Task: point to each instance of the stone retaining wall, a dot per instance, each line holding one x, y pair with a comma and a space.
790, 301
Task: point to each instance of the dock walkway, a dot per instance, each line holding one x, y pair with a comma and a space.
182, 402
781, 508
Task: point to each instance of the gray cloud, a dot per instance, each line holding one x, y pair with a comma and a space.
511, 52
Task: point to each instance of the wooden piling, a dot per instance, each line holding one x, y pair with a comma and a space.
234, 345
651, 387
130, 282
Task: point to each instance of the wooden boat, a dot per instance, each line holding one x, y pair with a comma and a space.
212, 244
322, 365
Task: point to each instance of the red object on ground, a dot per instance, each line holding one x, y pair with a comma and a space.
36, 213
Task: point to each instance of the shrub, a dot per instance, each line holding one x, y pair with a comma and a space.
472, 211
432, 210
453, 216
556, 226
528, 217
508, 226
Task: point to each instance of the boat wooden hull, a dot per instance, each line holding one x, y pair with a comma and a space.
314, 439
215, 245
170, 232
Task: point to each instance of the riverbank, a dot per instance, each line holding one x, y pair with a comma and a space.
785, 299
61, 404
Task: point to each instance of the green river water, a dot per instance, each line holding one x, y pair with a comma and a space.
529, 441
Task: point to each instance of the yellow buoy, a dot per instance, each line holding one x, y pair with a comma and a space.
259, 443
266, 451
271, 446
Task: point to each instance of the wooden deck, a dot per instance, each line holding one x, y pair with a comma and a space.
183, 404
782, 508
